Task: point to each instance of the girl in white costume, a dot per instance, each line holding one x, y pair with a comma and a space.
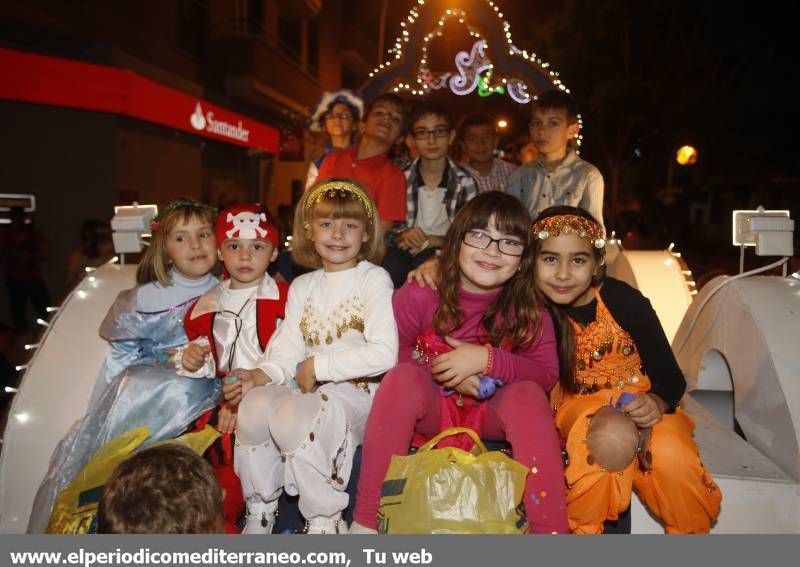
303, 410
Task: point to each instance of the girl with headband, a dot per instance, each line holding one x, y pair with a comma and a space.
616, 403
304, 408
138, 385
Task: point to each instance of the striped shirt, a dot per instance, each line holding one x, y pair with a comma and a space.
497, 178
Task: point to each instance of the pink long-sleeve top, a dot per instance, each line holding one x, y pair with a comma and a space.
414, 307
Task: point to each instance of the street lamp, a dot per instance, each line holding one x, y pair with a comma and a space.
686, 155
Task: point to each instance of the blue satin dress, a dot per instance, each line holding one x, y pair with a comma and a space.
133, 390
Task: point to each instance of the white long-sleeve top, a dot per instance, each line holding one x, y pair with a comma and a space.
235, 327
343, 319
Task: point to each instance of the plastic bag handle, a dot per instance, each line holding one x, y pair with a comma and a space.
450, 432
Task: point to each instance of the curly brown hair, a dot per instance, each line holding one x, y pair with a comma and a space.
166, 489
514, 316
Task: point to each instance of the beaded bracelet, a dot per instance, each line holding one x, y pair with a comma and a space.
489, 360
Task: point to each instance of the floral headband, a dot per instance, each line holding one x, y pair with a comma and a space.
347, 189
182, 204
557, 225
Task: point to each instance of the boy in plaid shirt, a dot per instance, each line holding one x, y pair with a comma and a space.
479, 139
436, 189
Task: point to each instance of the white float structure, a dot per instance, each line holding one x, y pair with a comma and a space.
737, 344
55, 389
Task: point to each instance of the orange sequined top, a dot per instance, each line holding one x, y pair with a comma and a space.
606, 358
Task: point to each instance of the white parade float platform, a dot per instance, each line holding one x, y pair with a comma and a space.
740, 357
738, 349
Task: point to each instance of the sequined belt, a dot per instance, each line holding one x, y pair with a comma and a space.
364, 383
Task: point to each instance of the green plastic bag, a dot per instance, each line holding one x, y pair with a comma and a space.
451, 491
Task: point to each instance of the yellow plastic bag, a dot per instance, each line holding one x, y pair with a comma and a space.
451, 491
75, 509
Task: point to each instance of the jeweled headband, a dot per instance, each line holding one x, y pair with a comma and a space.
557, 225
342, 189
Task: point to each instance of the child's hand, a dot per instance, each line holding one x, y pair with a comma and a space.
470, 386
452, 368
306, 377
645, 410
194, 356
411, 239
425, 274
240, 381
226, 419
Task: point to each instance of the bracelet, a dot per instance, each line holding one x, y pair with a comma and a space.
489, 360
163, 357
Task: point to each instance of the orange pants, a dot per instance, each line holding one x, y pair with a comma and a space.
677, 489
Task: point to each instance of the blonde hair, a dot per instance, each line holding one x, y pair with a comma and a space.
155, 263
336, 199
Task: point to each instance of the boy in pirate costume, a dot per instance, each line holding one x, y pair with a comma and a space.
230, 326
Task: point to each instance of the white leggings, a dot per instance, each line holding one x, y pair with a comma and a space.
303, 443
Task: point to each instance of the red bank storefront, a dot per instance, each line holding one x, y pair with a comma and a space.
83, 137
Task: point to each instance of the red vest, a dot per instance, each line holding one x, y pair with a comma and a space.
267, 313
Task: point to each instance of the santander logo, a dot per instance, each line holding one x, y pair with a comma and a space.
197, 119
206, 122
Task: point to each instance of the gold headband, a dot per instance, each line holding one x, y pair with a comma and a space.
582, 227
344, 189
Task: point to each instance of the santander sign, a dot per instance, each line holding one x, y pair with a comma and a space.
206, 122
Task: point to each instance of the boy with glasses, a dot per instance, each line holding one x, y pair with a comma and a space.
436, 189
557, 176
479, 139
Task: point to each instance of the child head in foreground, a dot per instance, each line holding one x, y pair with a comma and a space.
167, 489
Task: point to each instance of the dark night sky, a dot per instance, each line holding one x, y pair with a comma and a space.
714, 74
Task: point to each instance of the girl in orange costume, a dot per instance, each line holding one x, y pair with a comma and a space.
616, 402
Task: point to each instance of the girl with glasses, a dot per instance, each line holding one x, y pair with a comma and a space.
478, 353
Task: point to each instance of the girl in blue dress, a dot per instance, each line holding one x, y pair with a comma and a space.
138, 385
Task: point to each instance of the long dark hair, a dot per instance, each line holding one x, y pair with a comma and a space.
563, 325
512, 316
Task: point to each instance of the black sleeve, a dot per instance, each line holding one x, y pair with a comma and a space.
634, 313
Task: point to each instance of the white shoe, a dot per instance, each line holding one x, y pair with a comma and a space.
260, 518
326, 525
358, 529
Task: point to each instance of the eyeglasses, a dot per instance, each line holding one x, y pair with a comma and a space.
481, 241
438, 132
339, 115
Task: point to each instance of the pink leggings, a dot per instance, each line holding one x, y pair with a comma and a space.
407, 402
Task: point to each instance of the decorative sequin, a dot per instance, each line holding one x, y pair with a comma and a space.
345, 316
604, 354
